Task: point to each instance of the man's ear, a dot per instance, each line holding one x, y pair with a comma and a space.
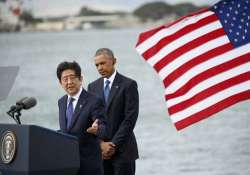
114, 61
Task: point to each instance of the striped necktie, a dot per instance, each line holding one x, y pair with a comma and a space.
70, 111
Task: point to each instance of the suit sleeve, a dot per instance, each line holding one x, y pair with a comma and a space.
98, 112
131, 114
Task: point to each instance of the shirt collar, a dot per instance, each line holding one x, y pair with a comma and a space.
111, 78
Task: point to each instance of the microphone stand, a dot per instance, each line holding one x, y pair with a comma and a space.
15, 115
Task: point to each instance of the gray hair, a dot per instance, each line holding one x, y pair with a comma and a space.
105, 51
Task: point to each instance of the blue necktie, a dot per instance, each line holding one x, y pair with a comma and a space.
70, 111
106, 91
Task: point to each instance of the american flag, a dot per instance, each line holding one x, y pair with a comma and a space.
203, 60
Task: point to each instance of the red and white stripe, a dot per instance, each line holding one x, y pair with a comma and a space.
201, 70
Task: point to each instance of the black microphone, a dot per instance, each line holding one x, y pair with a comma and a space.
23, 103
19, 102
18, 106
28, 103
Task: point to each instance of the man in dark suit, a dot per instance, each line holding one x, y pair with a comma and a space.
83, 115
121, 99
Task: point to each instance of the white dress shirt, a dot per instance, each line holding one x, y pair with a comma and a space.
76, 97
111, 80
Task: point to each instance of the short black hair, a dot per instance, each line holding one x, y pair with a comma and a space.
105, 51
68, 65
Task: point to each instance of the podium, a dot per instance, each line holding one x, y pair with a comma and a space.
34, 150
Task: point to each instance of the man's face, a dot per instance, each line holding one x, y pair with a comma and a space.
105, 65
70, 82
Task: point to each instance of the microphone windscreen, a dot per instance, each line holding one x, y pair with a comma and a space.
20, 102
29, 103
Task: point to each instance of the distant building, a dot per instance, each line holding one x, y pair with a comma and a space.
49, 26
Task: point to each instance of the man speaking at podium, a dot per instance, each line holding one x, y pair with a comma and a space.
83, 115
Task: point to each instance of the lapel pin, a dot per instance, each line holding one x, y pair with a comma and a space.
116, 87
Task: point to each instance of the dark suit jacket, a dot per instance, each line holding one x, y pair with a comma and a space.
122, 112
89, 107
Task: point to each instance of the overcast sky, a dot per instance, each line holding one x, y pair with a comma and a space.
60, 7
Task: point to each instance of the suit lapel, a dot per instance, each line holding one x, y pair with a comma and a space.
79, 106
114, 89
64, 107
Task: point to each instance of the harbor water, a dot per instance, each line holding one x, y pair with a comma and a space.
219, 145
